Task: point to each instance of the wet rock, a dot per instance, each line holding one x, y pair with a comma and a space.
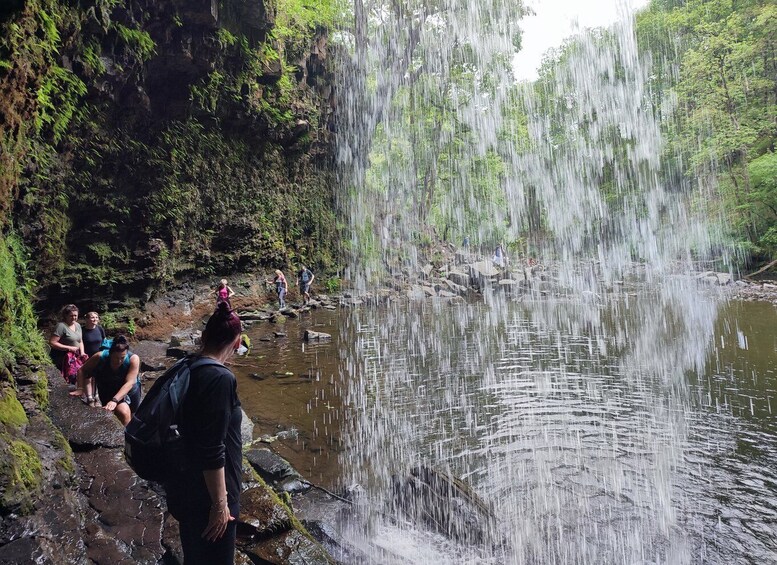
253, 315
261, 514
416, 294
289, 313
130, 515
427, 269
482, 269
459, 278
84, 427
246, 428
271, 467
152, 368
446, 294
24, 550
310, 335
294, 486
444, 503
279, 334
454, 287
288, 547
179, 352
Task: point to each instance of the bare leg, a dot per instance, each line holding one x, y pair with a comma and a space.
79, 390
122, 412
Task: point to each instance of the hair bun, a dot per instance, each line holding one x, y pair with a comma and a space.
223, 309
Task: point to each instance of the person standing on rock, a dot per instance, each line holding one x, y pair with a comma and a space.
304, 280
93, 333
224, 293
115, 372
499, 259
205, 497
281, 287
93, 337
67, 344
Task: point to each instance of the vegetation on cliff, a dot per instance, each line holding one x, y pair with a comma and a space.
141, 142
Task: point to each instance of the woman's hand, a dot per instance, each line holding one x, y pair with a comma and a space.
218, 518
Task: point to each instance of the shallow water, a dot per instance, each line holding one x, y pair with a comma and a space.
596, 437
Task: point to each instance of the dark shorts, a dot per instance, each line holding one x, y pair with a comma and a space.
132, 398
305, 288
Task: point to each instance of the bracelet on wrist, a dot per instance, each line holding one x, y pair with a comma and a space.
115, 401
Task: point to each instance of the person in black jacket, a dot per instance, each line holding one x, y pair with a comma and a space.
205, 499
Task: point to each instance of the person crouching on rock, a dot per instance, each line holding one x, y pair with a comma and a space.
115, 373
204, 498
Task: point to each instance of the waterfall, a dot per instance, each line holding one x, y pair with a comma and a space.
563, 407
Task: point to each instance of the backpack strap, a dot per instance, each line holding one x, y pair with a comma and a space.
177, 394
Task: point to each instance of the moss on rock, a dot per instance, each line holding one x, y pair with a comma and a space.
20, 475
11, 411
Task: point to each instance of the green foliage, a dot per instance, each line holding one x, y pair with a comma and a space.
19, 336
91, 57
108, 321
723, 123
138, 41
225, 38
297, 19
333, 284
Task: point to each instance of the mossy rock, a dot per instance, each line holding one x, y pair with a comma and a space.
21, 472
12, 413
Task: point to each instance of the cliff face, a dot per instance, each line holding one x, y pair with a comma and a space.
144, 141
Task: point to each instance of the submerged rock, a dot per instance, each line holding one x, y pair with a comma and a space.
445, 504
310, 335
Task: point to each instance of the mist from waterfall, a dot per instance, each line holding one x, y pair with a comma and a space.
564, 406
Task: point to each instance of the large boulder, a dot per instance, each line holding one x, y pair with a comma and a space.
483, 269
459, 278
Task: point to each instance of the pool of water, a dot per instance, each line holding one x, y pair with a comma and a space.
636, 428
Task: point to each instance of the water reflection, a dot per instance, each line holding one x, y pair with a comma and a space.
610, 432
564, 417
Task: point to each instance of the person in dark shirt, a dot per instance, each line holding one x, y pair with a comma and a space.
115, 372
92, 337
205, 498
304, 280
93, 333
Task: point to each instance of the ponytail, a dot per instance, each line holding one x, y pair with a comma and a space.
222, 328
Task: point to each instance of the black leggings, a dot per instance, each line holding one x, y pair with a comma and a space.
199, 551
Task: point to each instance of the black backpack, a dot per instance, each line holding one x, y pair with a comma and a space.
153, 446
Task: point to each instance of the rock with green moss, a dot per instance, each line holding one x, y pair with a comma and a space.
20, 475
